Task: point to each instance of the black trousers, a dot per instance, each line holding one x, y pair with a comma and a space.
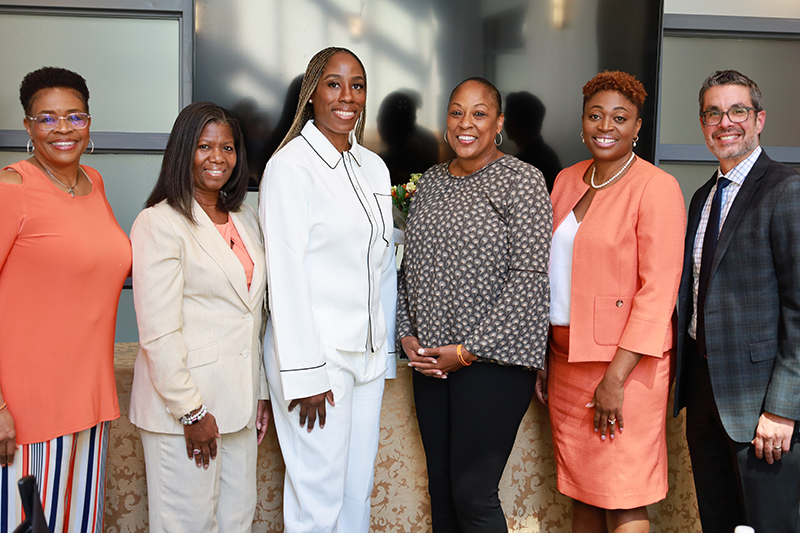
468, 424
734, 487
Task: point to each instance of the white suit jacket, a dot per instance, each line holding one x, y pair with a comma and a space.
199, 325
327, 219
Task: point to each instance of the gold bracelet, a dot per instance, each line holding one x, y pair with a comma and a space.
461, 357
3, 408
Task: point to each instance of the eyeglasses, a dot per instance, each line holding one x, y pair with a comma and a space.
736, 115
47, 122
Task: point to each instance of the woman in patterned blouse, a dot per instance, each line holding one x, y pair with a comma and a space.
474, 289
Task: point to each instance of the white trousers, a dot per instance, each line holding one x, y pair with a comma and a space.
330, 471
184, 498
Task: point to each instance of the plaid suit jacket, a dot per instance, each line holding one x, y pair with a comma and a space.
753, 303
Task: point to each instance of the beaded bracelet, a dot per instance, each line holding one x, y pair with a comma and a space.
3, 408
461, 357
194, 416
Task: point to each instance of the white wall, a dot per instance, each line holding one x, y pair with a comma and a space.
739, 8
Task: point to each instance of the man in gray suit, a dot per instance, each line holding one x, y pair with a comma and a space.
738, 369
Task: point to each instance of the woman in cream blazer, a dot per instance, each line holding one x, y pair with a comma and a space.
199, 287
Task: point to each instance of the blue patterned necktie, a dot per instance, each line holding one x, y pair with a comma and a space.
709, 249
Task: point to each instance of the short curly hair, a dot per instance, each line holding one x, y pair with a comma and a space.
622, 82
51, 78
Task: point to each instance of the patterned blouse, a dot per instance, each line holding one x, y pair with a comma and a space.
475, 263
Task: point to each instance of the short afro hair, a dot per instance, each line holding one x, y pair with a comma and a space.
621, 82
51, 78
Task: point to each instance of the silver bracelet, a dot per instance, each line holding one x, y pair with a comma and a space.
188, 419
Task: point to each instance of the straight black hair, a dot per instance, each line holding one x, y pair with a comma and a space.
176, 180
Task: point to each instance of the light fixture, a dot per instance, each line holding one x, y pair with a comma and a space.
355, 25
559, 13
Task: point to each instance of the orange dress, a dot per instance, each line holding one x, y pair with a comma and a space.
63, 261
627, 261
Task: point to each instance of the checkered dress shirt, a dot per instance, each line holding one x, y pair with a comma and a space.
737, 176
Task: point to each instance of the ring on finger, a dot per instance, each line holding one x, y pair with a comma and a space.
612, 422
777, 448
196, 452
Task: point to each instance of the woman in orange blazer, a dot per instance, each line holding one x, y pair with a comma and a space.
615, 267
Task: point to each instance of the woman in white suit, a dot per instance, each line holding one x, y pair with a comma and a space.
326, 210
199, 392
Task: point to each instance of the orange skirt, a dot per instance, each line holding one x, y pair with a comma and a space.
628, 471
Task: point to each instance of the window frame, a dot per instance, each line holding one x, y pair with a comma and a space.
718, 26
117, 142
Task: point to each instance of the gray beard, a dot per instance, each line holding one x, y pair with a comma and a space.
749, 143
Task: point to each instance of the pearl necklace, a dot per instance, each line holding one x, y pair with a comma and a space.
615, 176
70, 190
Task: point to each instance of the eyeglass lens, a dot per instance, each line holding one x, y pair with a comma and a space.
735, 114
49, 122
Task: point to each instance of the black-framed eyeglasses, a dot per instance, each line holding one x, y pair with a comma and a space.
736, 115
47, 122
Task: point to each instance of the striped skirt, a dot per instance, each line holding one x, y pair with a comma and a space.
70, 473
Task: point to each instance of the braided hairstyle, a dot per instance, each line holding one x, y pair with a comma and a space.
305, 110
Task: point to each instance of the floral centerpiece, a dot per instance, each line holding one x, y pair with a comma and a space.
401, 201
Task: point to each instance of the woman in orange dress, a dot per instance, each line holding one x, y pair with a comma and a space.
615, 267
63, 260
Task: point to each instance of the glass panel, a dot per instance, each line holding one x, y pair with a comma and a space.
687, 61
690, 176
127, 330
132, 66
415, 52
6, 158
252, 200
128, 179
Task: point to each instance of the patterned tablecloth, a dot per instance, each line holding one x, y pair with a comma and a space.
399, 500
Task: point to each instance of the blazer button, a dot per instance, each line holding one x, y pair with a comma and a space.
246, 353
248, 317
619, 303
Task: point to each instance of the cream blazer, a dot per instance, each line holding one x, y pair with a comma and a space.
199, 326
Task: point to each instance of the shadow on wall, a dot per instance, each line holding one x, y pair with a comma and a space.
410, 148
524, 117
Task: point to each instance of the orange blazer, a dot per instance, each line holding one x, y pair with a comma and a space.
626, 262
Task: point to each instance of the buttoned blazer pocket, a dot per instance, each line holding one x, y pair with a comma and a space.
202, 355
384, 202
763, 351
610, 318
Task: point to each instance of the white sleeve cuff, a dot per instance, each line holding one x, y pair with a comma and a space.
304, 382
